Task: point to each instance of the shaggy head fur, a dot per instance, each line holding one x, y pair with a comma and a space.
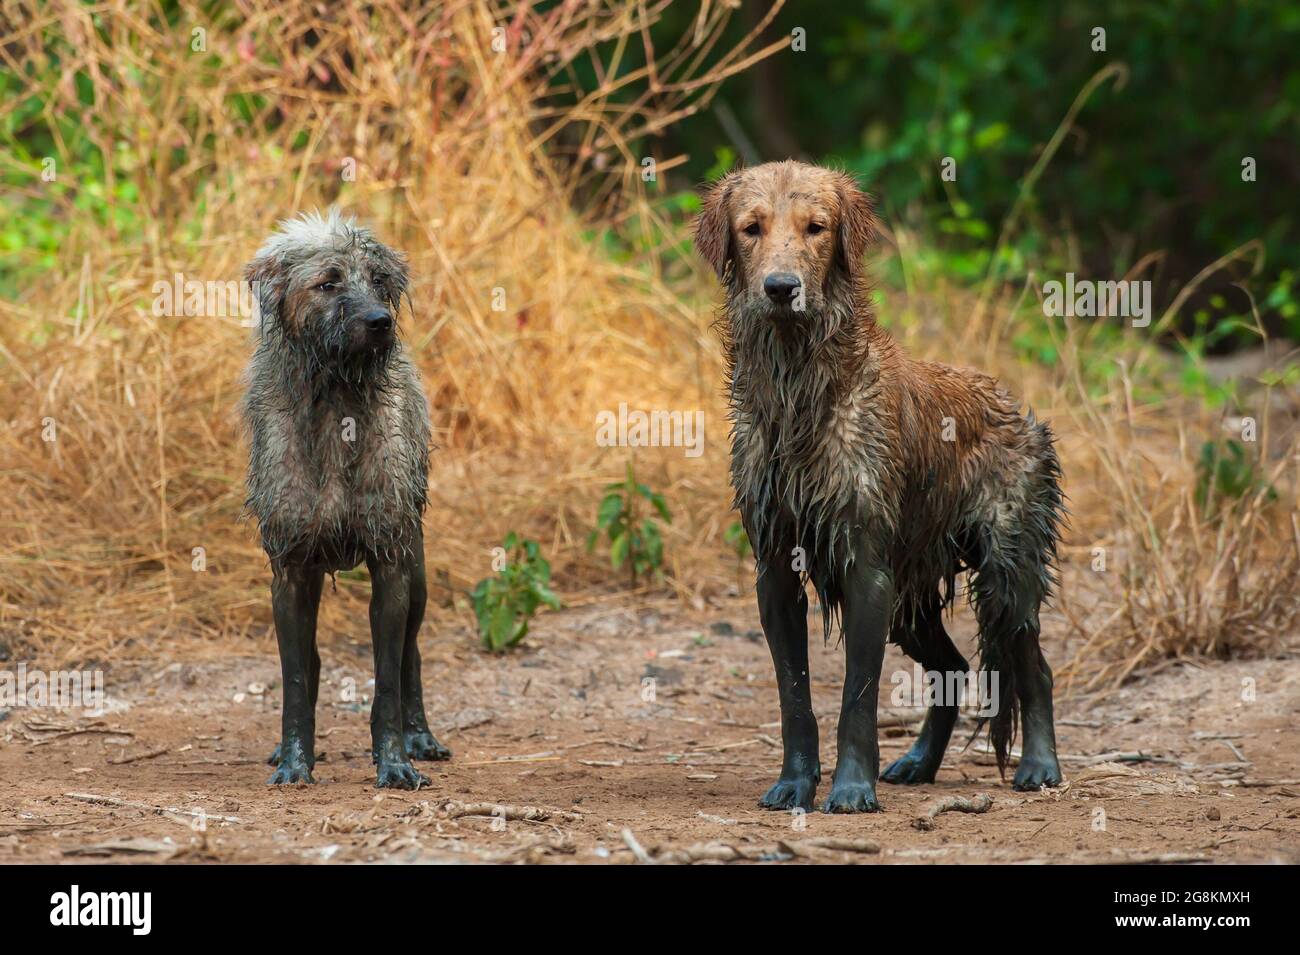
835, 431
785, 219
338, 424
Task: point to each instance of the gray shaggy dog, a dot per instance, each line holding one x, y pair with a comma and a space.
338, 432
878, 479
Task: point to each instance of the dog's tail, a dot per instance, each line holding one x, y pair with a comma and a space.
1015, 572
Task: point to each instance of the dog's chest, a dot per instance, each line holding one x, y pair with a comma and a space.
360, 456
806, 468
340, 473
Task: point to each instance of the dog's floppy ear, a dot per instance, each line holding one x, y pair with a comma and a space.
266, 275
713, 226
393, 266
858, 224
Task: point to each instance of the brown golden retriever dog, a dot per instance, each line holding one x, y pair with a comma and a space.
878, 479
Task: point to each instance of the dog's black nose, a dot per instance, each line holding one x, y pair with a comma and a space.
781, 286
378, 320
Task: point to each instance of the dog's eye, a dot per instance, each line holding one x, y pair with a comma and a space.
326, 286
753, 229
815, 228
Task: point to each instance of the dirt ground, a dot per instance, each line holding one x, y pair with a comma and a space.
1182, 766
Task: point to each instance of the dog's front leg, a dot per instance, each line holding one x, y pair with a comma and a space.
295, 597
783, 610
868, 606
390, 601
419, 740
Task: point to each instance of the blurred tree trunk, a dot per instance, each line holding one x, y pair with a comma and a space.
769, 111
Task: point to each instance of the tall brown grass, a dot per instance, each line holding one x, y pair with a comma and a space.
507, 179
1181, 570
487, 167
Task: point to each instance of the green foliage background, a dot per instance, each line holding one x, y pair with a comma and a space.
888, 88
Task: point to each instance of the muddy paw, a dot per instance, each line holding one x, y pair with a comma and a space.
908, 770
1036, 772
421, 744
851, 797
399, 776
293, 772
792, 793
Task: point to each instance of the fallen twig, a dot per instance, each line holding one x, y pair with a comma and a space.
1265, 783
1133, 757
136, 845
163, 810
526, 758
864, 846
458, 810
725, 852
976, 804
136, 757
80, 732
638, 850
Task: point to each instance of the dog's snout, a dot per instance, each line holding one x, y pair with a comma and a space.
781, 286
378, 320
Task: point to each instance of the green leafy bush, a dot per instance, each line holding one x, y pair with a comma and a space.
632, 541
505, 604
735, 536
738, 540
1226, 473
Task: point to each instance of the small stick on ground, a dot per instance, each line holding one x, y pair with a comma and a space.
1268, 782
139, 756
528, 758
638, 850
977, 804
708, 852
456, 810
1134, 757
131, 804
81, 732
864, 846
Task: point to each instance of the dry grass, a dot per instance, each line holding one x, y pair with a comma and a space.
1184, 575
473, 161
494, 171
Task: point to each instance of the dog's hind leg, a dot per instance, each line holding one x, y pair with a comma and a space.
868, 606
783, 611
420, 743
1007, 597
295, 598
1038, 763
390, 603
925, 640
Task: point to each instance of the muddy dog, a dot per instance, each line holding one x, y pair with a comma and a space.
338, 433
878, 479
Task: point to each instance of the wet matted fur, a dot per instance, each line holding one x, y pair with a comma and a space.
878, 479
338, 430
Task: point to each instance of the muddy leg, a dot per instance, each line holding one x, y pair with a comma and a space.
929, 645
390, 601
313, 671
1038, 764
295, 598
313, 686
418, 740
783, 610
868, 606
1006, 605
